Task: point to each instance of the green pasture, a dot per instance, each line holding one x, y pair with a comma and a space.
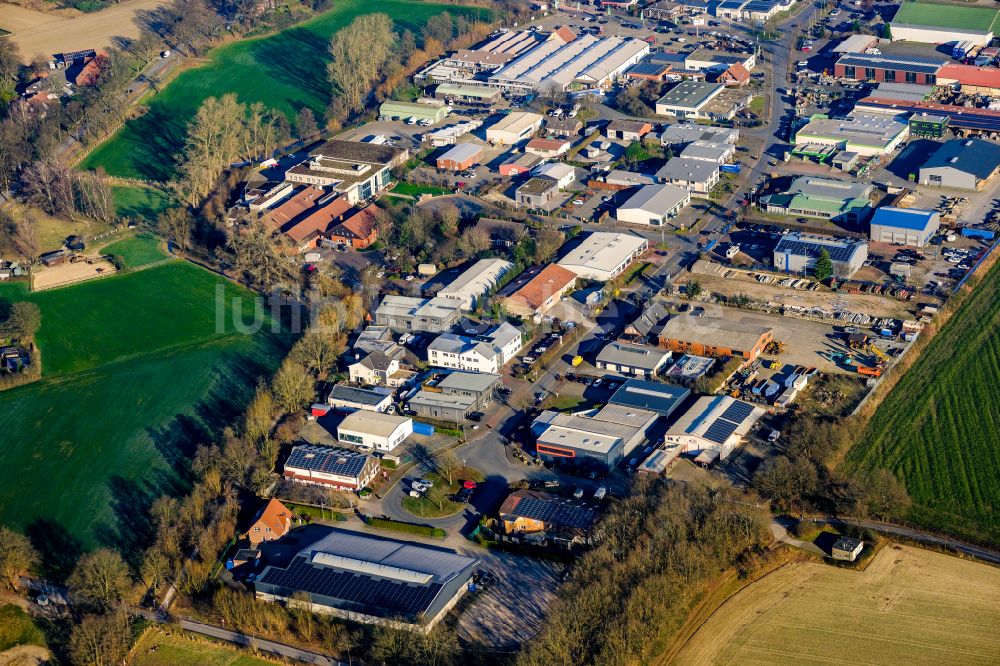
286, 71
138, 250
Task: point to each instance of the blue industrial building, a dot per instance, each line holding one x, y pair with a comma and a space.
907, 226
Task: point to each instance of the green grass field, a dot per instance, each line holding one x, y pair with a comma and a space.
138, 250
920, 12
17, 628
140, 203
135, 374
938, 429
285, 71
158, 648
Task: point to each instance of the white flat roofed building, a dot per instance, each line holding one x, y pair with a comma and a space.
688, 99
865, 134
716, 153
564, 174
604, 255
514, 128
685, 133
374, 430
653, 204
476, 281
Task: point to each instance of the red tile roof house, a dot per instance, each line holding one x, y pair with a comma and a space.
284, 214
359, 230
272, 522
736, 75
547, 147
306, 233
92, 70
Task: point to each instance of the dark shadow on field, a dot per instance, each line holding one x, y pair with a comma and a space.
825, 540
306, 70
131, 502
154, 139
58, 550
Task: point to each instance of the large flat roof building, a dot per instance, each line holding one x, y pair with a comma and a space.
514, 128
587, 60
964, 164
604, 255
906, 226
864, 134
663, 399
371, 580
407, 313
603, 438
455, 396
654, 204
476, 281
809, 196
374, 430
797, 253
934, 23
688, 99
715, 336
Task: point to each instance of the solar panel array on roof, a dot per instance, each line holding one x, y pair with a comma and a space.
647, 69
326, 459
720, 431
906, 63
732, 4
837, 252
380, 596
737, 411
556, 512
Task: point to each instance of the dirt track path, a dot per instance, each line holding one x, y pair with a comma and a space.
47, 34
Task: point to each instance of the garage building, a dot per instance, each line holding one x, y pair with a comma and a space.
797, 253
604, 255
601, 439
460, 157
392, 110
908, 226
514, 128
654, 204
964, 164
713, 427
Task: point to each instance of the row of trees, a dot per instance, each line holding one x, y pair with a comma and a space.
657, 551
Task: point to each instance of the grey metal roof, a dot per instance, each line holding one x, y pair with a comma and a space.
462, 151
480, 382
976, 156
690, 94
687, 169
653, 396
633, 356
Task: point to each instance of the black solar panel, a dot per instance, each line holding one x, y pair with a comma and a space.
899, 63
555, 512
720, 431
328, 460
384, 597
805, 248
737, 411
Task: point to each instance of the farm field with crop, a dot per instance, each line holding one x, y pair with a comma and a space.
286, 71
135, 373
938, 430
909, 606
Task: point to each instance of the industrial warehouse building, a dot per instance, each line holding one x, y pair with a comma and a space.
797, 253
663, 399
514, 128
374, 430
689, 99
407, 313
434, 111
584, 61
864, 134
715, 336
835, 200
476, 281
654, 204
713, 427
460, 157
932, 23
632, 359
964, 164
371, 580
905, 226
602, 439
604, 255
467, 94
889, 68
